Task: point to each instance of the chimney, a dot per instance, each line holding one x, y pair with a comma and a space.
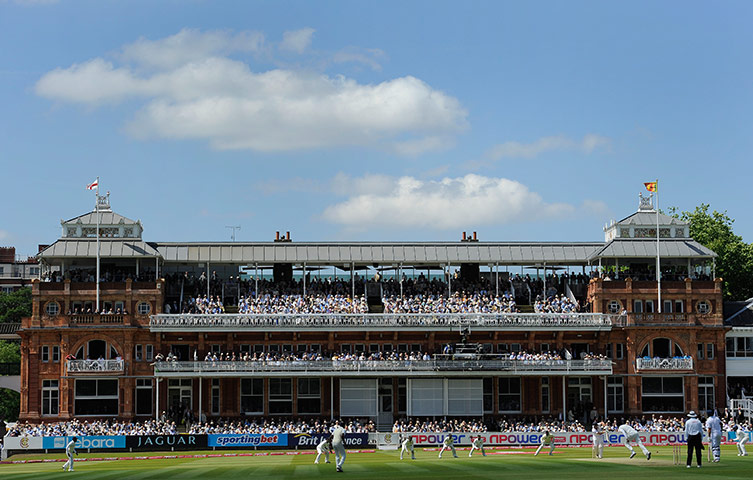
463, 237
287, 236
277, 236
474, 237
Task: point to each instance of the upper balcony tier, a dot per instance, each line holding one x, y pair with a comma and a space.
386, 322
664, 364
403, 368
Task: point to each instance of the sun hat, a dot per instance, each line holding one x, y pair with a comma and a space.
692, 414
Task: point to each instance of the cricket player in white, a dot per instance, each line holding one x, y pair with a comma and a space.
546, 439
632, 436
338, 435
477, 444
70, 451
448, 444
741, 436
324, 447
407, 446
598, 432
714, 427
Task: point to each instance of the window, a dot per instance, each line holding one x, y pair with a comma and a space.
649, 306
614, 306
402, 395
637, 306
615, 395
50, 397
280, 396
509, 395
667, 306
706, 399
515, 347
703, 307
45, 353
52, 308
608, 350
740, 346
488, 395
661, 348
138, 353
502, 348
245, 348
215, 397
663, 394
699, 352
96, 397
252, 396
620, 351
55, 353
709, 351
309, 396
544, 347
149, 352
143, 308
144, 396
345, 348
679, 306
545, 401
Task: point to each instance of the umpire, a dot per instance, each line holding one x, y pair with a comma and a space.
694, 434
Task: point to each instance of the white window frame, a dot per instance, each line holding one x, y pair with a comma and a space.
50, 397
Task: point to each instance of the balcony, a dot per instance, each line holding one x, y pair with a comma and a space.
663, 364
97, 319
401, 368
95, 366
375, 322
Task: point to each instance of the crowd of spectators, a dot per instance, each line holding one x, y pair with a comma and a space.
280, 425
294, 304
458, 302
94, 427
555, 304
406, 425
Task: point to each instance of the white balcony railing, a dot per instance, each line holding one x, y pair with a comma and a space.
656, 363
95, 366
386, 321
397, 367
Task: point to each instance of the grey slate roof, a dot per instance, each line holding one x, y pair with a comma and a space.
738, 314
645, 218
106, 218
108, 248
516, 253
646, 247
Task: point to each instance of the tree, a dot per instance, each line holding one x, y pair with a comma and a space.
15, 306
10, 405
10, 352
734, 263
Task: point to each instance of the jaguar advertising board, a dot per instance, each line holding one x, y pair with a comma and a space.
84, 442
311, 440
248, 440
171, 442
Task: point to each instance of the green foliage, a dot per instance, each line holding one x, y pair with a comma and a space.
734, 263
10, 405
10, 352
15, 306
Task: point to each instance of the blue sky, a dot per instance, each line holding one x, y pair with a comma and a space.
371, 120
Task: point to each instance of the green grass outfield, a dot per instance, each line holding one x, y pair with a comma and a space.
567, 463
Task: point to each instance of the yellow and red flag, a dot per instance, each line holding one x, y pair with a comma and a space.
651, 186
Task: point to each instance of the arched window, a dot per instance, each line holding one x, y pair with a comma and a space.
95, 349
662, 347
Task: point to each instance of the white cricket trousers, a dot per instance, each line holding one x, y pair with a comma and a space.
319, 453
448, 447
741, 445
69, 464
637, 440
551, 449
339, 454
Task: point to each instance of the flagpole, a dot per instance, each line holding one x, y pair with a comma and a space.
96, 310
658, 262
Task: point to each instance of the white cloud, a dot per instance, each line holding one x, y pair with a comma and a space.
203, 95
189, 45
297, 40
4, 235
368, 57
589, 143
450, 203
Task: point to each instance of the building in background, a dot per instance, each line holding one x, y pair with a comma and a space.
16, 273
617, 353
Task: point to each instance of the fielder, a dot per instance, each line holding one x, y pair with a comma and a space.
741, 436
598, 431
546, 439
407, 446
448, 444
324, 448
70, 450
477, 444
714, 428
631, 436
338, 445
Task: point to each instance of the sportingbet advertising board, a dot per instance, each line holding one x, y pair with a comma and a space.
249, 440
